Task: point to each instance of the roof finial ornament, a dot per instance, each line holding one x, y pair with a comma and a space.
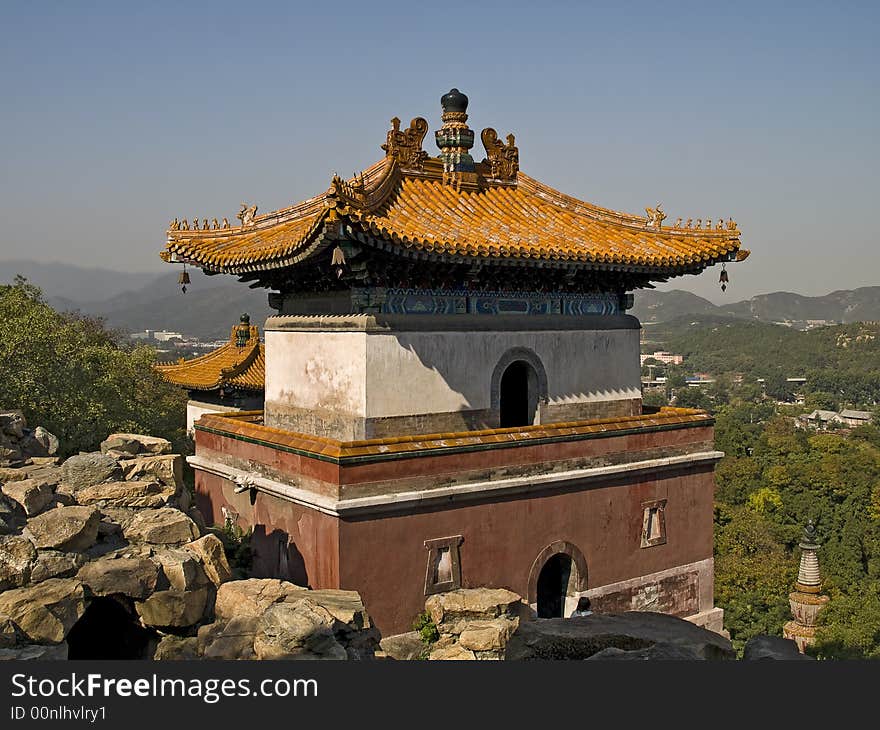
503, 159
455, 139
246, 215
406, 146
655, 216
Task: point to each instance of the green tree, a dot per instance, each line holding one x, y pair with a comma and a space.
74, 377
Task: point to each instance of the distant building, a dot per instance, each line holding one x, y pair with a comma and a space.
856, 418
665, 357
846, 418
230, 378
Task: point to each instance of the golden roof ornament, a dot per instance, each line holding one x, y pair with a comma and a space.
406, 146
246, 215
655, 216
503, 159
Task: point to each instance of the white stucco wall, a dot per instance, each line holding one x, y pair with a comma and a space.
379, 374
195, 410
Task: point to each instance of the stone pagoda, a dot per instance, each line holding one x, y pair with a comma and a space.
806, 600
452, 389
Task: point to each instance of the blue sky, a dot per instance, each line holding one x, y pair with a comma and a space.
120, 116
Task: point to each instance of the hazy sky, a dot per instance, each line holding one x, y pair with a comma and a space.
116, 117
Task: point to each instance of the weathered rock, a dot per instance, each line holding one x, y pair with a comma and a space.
772, 647
164, 468
34, 495
48, 440
488, 635
580, 638
346, 607
181, 570
9, 633
177, 648
209, 550
17, 556
12, 423
11, 516
288, 631
654, 652
135, 494
251, 597
132, 577
403, 647
232, 639
34, 652
53, 564
135, 443
69, 529
454, 652
45, 612
85, 470
173, 608
452, 611
164, 526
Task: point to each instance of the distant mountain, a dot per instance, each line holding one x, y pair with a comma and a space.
796, 310
75, 283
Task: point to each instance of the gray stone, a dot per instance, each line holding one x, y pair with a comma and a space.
45, 612
181, 570
251, 597
582, 637
48, 440
164, 468
132, 577
53, 564
209, 550
287, 631
176, 648
9, 633
69, 529
12, 423
85, 470
165, 526
403, 647
133, 494
11, 516
34, 652
656, 651
233, 639
17, 556
34, 495
135, 443
173, 608
772, 647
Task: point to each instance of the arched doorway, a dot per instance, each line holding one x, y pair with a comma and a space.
110, 630
553, 586
518, 402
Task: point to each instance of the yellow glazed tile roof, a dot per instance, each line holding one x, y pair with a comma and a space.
228, 366
417, 212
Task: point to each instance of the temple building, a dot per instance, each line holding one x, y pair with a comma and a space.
452, 389
226, 380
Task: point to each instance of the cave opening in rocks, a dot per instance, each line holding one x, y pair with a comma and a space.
110, 630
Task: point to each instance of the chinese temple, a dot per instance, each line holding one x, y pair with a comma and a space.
452, 389
227, 379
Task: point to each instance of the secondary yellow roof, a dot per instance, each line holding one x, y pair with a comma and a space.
229, 366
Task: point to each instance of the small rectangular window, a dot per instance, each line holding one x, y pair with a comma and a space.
654, 523
444, 568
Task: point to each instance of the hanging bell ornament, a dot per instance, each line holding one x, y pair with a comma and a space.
723, 279
338, 261
183, 280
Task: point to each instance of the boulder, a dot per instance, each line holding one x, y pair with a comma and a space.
251, 597
53, 564
452, 652
70, 529
46, 612
403, 647
132, 577
176, 648
34, 495
48, 441
11, 516
85, 470
209, 550
301, 631
772, 647
232, 639
9, 633
582, 637
135, 443
181, 570
12, 423
164, 468
488, 636
135, 494
173, 608
17, 556
346, 607
452, 611
34, 652
164, 526
656, 651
